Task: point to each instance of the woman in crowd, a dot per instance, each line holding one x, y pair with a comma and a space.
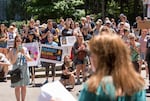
29, 39
3, 39
79, 51
68, 72
114, 77
18, 57
134, 51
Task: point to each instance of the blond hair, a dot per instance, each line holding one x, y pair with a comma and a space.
113, 58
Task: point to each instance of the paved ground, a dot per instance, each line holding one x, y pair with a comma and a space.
7, 93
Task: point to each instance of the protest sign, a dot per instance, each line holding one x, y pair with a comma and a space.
34, 52
55, 90
144, 24
67, 40
51, 54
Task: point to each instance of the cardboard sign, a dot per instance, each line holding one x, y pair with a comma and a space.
34, 52
51, 54
144, 24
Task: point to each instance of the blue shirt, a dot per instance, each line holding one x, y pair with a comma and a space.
52, 43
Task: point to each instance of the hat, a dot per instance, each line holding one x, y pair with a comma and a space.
83, 18
43, 25
108, 22
11, 27
121, 15
131, 35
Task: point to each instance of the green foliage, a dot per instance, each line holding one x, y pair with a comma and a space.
67, 8
54, 9
15, 10
113, 8
43, 9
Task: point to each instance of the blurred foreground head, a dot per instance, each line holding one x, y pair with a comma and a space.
111, 57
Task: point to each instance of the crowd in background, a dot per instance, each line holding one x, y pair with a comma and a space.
137, 40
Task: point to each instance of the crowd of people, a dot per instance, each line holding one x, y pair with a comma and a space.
87, 45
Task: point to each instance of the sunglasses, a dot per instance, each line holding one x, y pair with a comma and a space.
79, 36
18, 40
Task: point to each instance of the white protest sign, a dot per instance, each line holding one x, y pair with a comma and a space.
67, 40
34, 52
55, 90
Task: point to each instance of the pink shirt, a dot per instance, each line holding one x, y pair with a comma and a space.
142, 42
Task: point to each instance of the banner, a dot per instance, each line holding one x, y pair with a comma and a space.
67, 40
34, 52
51, 54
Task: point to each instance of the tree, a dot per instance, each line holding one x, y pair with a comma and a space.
54, 9
43, 9
15, 10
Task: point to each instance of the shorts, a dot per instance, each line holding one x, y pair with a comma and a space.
47, 68
3, 44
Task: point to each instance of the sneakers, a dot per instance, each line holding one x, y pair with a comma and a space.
45, 82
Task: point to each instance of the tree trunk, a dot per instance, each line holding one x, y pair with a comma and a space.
103, 9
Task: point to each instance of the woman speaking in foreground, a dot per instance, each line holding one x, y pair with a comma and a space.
114, 77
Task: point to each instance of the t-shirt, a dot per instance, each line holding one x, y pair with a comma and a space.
51, 30
52, 43
45, 31
67, 32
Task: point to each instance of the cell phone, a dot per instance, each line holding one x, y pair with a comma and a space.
19, 47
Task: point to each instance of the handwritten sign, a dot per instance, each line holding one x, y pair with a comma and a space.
34, 52
144, 24
51, 54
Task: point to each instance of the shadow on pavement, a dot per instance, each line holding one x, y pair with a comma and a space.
36, 85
